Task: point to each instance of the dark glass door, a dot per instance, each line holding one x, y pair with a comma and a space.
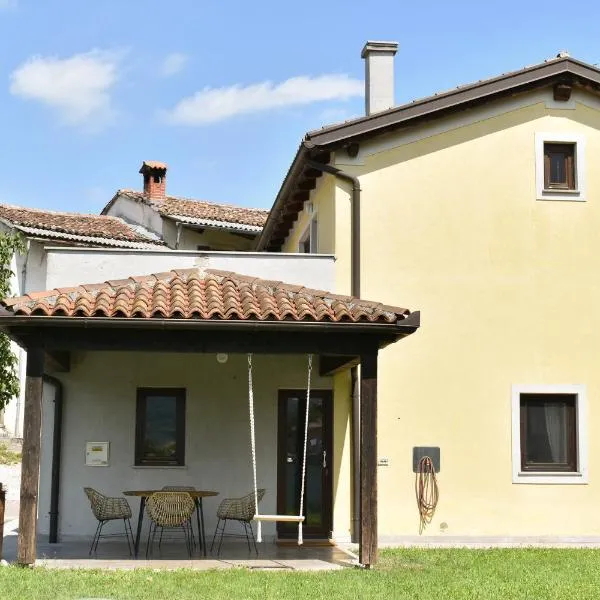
318, 493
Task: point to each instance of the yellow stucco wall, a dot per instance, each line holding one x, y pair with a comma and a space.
507, 289
324, 212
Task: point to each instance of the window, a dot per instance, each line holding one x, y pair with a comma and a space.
548, 432
308, 241
549, 437
560, 161
160, 427
559, 166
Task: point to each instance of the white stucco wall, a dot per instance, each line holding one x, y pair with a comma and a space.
100, 403
73, 266
137, 213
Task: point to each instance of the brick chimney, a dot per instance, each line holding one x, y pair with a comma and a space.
379, 75
155, 179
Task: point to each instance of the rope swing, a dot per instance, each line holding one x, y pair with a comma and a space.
287, 518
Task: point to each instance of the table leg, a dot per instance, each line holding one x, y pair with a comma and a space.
200, 538
138, 535
202, 521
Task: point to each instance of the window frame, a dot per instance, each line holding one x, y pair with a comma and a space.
310, 235
543, 190
571, 416
569, 149
558, 476
180, 417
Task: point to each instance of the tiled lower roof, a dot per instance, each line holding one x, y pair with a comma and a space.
95, 229
201, 209
203, 294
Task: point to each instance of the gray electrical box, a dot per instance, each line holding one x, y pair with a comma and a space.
432, 451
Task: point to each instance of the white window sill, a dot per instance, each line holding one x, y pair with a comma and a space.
568, 195
542, 477
164, 467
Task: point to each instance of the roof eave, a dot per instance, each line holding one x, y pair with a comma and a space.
386, 333
330, 138
534, 76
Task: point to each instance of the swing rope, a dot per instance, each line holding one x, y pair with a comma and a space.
258, 517
303, 479
253, 444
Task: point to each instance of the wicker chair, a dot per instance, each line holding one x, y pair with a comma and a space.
107, 509
237, 509
182, 488
170, 510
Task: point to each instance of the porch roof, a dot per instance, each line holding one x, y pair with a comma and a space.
202, 310
202, 294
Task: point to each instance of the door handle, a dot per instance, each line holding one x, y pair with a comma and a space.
324, 459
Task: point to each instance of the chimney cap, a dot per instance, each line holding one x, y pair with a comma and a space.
152, 165
378, 46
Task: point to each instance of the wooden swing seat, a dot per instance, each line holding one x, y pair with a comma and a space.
283, 518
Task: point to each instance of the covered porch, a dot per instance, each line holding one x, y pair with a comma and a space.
164, 332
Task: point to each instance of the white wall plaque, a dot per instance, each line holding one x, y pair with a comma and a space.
96, 454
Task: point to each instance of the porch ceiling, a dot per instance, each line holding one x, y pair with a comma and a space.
170, 309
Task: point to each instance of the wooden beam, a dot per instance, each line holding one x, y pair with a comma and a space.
30, 467
368, 459
312, 173
307, 184
300, 197
57, 361
330, 365
247, 337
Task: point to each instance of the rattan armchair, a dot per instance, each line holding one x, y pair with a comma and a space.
182, 488
107, 509
170, 510
237, 509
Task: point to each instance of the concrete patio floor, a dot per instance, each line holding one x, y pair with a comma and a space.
113, 554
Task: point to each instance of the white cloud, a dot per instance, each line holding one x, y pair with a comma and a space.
217, 104
173, 63
78, 88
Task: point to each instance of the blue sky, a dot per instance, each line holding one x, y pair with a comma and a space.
224, 90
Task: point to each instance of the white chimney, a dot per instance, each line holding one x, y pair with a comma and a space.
379, 75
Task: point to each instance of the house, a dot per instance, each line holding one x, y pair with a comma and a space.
132, 221
184, 223
480, 207
477, 206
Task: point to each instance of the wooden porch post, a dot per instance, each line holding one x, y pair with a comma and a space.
30, 469
368, 459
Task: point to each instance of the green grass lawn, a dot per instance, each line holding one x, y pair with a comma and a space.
7, 456
415, 574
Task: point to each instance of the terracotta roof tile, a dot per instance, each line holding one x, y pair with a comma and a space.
199, 294
92, 227
173, 206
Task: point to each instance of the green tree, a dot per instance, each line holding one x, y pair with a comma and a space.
9, 380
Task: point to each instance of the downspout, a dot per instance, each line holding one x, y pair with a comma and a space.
355, 291
56, 451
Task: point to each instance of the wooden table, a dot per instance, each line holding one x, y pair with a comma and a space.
197, 495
